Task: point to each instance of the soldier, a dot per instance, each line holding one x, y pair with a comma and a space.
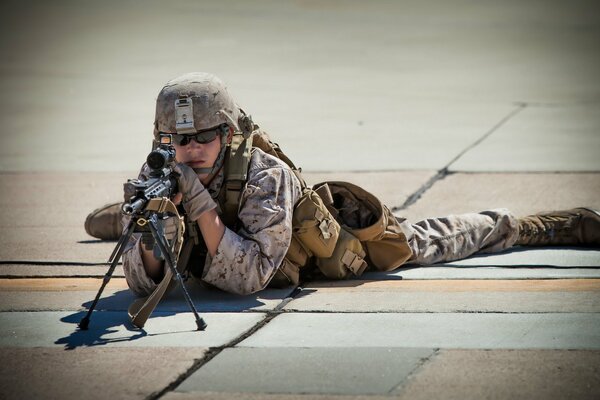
269, 228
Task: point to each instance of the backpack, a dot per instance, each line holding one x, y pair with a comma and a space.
337, 227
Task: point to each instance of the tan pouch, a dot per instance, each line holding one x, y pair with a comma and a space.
288, 272
314, 226
347, 258
363, 215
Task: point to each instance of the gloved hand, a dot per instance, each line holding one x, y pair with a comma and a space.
196, 199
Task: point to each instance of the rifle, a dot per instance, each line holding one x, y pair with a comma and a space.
149, 202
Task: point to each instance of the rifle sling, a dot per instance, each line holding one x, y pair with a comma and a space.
141, 309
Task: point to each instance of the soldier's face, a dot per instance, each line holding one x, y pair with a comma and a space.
198, 155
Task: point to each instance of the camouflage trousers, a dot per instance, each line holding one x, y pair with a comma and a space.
458, 236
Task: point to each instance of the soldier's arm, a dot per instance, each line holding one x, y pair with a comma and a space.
246, 260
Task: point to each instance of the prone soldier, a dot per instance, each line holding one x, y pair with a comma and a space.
252, 221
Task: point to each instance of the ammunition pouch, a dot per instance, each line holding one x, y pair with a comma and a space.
345, 229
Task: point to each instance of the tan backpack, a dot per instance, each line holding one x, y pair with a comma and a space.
337, 226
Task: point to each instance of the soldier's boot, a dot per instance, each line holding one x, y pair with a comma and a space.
105, 222
575, 227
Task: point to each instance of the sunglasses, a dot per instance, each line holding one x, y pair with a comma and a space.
202, 137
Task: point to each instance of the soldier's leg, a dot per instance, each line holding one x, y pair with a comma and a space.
458, 236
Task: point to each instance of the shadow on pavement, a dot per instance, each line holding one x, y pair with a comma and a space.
102, 324
109, 323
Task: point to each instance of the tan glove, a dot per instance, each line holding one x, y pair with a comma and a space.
196, 199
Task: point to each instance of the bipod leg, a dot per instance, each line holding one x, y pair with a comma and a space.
170, 260
114, 259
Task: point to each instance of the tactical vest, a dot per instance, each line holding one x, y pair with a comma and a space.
338, 228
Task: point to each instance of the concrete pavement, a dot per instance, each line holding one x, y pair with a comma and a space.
436, 107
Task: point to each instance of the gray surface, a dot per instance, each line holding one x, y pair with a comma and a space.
399, 301
556, 257
265, 396
107, 329
91, 373
34, 270
456, 271
479, 272
507, 374
352, 370
341, 86
480, 331
565, 138
307, 71
51, 210
523, 194
119, 299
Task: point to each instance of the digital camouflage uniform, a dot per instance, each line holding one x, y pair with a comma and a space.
246, 260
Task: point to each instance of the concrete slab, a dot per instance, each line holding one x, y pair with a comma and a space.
93, 373
522, 193
40, 270
77, 294
507, 374
434, 86
391, 187
483, 296
265, 396
477, 272
352, 370
431, 330
527, 256
52, 209
464, 269
558, 138
108, 329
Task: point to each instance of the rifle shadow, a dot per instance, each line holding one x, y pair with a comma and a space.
109, 322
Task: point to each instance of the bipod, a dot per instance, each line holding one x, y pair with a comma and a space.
161, 241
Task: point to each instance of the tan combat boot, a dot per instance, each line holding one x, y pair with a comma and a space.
105, 222
576, 227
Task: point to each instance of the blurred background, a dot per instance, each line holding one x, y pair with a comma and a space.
341, 85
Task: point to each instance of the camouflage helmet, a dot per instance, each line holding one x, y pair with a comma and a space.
202, 93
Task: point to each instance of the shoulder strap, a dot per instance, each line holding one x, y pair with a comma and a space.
236, 170
236, 175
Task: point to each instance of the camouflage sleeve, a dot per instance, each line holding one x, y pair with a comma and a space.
246, 260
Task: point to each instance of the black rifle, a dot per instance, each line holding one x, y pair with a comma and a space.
160, 183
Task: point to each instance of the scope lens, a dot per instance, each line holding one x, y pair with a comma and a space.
157, 159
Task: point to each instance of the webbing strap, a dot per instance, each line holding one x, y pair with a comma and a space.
354, 262
162, 205
141, 309
236, 175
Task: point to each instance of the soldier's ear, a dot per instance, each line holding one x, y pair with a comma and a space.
230, 135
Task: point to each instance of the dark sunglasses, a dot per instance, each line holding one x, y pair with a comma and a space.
202, 137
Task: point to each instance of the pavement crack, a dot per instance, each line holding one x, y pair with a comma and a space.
442, 173
212, 352
519, 107
412, 199
396, 389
